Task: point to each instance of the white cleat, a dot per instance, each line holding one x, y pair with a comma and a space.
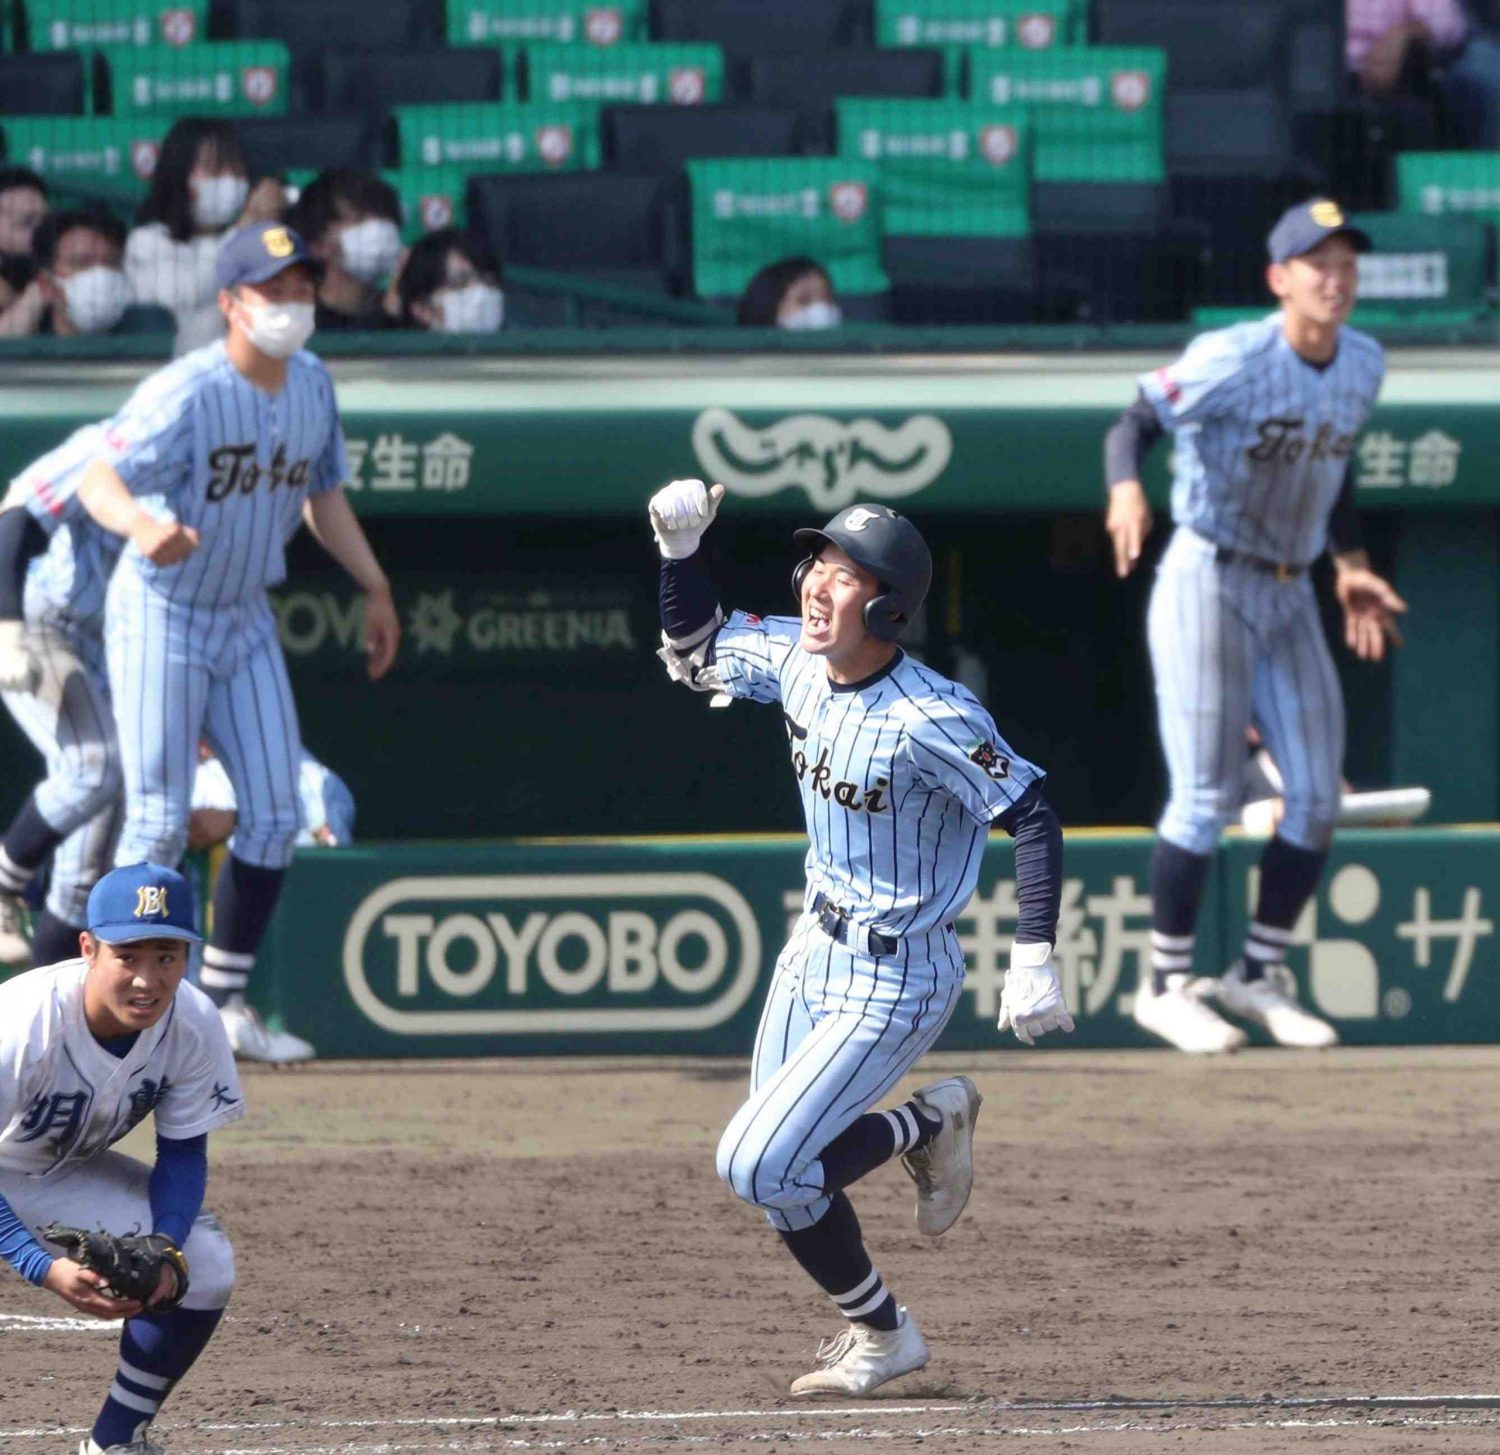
251, 1039
944, 1169
1181, 1018
861, 1359
138, 1446
15, 947
1271, 1003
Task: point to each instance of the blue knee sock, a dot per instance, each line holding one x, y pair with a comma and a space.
1178, 879
872, 1140
244, 899
832, 1252
156, 1350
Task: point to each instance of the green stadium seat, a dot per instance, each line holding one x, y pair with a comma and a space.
1424, 269
686, 75
955, 26
749, 212
216, 78
431, 198
541, 22
947, 168
60, 25
1446, 184
811, 83
1096, 113
111, 158
378, 80
665, 138
52, 85
499, 136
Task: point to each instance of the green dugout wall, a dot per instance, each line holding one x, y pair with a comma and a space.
507, 495
663, 946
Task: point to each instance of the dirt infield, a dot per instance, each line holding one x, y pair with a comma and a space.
1162, 1254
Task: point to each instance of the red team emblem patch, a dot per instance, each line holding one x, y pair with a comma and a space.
603, 26
1171, 390
259, 84
849, 200
436, 211
687, 85
1036, 32
997, 144
1130, 90
143, 158
554, 144
179, 27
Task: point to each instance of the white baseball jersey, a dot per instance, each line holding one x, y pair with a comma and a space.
1263, 437
64, 1099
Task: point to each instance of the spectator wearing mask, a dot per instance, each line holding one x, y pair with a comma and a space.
23, 204
795, 293
450, 283
80, 286
200, 192
1389, 44
350, 220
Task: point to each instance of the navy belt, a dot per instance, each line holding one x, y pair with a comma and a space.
1225, 557
836, 924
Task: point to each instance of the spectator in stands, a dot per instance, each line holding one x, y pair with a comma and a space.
199, 193
80, 286
450, 283
23, 204
351, 222
795, 293
1390, 44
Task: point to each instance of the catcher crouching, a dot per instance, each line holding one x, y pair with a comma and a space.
88, 1049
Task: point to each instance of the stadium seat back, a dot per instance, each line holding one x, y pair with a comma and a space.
1218, 133
1226, 45
217, 78
961, 280
499, 136
947, 168
378, 80
532, 22
749, 212
97, 156
664, 138
47, 85
1447, 184
1097, 112
811, 83
275, 145
59, 25
683, 75
747, 26
348, 24
1424, 268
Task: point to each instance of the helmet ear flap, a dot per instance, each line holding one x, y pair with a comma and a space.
799, 575
886, 615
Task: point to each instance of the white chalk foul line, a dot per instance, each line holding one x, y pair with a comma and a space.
38, 1324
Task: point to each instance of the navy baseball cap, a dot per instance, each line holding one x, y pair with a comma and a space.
260, 251
1301, 228
142, 902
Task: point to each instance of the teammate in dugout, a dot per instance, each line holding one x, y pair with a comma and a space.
1265, 416
88, 1049
207, 472
901, 774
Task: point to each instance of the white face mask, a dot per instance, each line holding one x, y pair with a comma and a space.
821, 314
96, 298
278, 329
479, 308
370, 249
217, 201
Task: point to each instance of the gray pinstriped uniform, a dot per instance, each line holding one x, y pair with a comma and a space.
192, 648
900, 778
1262, 444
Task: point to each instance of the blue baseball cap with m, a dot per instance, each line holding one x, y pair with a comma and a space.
142, 902
257, 252
1301, 228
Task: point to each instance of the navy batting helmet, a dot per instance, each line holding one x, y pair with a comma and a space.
890, 548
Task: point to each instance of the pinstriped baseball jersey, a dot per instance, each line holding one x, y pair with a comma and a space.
203, 446
1263, 437
900, 776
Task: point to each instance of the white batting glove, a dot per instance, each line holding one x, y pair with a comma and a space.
18, 669
680, 513
1032, 1002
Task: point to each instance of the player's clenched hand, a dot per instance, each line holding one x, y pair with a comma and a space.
680, 513
1032, 1002
382, 631
18, 669
165, 542
1128, 522
1370, 609
81, 1287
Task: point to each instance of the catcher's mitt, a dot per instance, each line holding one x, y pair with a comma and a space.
130, 1265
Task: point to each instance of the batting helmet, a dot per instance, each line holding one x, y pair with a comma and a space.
890, 548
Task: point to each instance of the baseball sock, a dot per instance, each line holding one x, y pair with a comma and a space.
1288, 877
1177, 880
873, 1139
53, 939
832, 1252
244, 899
156, 1350
28, 841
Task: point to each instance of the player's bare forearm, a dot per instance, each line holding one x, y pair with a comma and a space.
108, 500
1352, 560
336, 528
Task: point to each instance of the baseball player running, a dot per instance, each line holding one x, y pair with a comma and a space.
88, 1049
54, 568
901, 774
1265, 416
207, 471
